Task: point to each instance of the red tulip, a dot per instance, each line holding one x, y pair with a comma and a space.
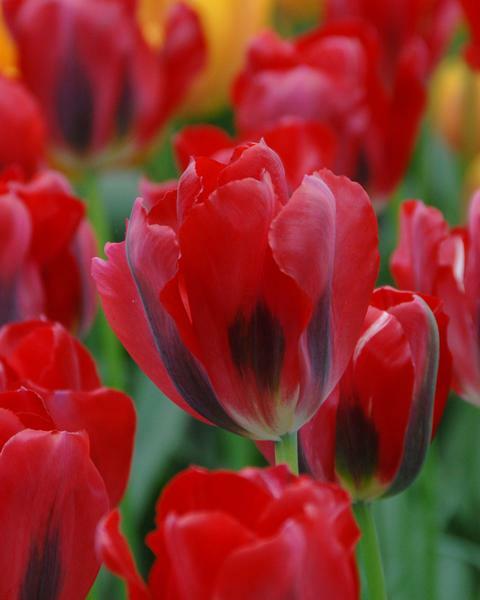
51, 502
65, 449
321, 77
22, 131
402, 24
255, 534
303, 146
241, 303
97, 80
435, 260
472, 12
48, 381
373, 432
46, 246
333, 76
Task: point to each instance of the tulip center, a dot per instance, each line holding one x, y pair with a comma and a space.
257, 344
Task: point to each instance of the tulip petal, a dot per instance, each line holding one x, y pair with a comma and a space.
144, 338
198, 490
49, 516
15, 236
148, 247
414, 261
329, 219
25, 347
204, 541
202, 140
108, 416
241, 319
113, 549
420, 327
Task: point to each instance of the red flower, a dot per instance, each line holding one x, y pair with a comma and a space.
303, 146
96, 78
241, 303
65, 449
49, 381
51, 502
434, 260
321, 77
472, 12
335, 76
22, 132
46, 246
372, 434
255, 534
401, 25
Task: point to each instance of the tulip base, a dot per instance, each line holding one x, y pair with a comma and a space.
286, 452
369, 550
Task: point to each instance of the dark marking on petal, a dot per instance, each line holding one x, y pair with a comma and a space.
188, 376
257, 344
75, 104
419, 430
8, 303
357, 444
362, 171
319, 340
125, 107
303, 466
43, 576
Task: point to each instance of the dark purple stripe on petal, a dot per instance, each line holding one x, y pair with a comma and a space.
356, 444
8, 303
320, 340
257, 344
125, 107
43, 576
417, 439
75, 104
186, 373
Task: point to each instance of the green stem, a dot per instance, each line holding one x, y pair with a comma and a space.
369, 550
286, 452
110, 346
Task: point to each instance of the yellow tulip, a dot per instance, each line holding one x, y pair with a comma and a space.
229, 25
8, 57
455, 106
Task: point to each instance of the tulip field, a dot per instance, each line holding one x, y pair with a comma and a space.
240, 299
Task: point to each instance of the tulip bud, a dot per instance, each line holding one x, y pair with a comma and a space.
373, 433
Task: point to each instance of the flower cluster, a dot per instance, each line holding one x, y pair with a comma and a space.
249, 288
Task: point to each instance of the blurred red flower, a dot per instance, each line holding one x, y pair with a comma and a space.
254, 534
343, 77
71, 440
435, 260
104, 91
22, 131
373, 433
241, 302
401, 25
46, 246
